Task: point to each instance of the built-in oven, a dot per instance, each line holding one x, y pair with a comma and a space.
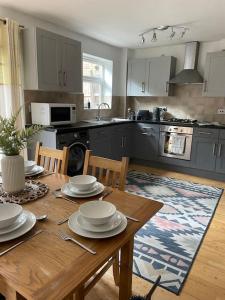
176, 141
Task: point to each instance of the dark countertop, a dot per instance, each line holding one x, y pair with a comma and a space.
89, 125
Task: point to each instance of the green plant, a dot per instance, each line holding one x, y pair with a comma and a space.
12, 140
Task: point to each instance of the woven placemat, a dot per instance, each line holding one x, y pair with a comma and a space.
33, 190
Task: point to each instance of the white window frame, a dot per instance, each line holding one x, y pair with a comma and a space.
102, 81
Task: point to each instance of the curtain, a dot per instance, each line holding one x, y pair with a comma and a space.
11, 83
11, 88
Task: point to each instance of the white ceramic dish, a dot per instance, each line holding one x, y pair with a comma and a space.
73, 226
82, 182
67, 191
29, 165
97, 212
96, 186
15, 225
112, 224
35, 171
9, 212
27, 226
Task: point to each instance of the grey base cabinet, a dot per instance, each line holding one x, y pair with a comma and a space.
220, 162
146, 141
100, 141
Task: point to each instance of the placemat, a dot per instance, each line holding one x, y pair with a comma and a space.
33, 191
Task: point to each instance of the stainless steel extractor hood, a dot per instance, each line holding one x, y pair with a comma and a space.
190, 74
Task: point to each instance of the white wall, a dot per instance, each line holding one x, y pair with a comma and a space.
89, 45
179, 51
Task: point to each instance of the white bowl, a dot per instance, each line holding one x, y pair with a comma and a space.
29, 165
97, 212
82, 182
9, 212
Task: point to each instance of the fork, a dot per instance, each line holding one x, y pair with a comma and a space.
58, 194
66, 237
63, 220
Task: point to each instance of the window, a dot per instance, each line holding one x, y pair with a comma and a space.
97, 81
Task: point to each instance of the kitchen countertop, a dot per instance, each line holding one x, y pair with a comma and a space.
96, 124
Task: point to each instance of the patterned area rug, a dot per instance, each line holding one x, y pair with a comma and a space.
168, 243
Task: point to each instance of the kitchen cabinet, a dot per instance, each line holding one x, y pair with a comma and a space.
121, 141
100, 141
160, 70
137, 77
52, 62
150, 77
220, 161
214, 76
146, 141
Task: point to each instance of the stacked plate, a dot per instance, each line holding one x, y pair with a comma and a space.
98, 220
82, 186
32, 169
14, 221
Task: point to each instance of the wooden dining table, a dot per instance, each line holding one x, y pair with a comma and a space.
46, 267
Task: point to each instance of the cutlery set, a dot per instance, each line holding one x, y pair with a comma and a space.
94, 219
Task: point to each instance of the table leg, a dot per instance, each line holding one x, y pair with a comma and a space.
126, 263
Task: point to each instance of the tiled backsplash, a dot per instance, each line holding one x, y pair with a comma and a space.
60, 97
187, 102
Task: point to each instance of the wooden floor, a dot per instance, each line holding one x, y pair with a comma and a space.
206, 280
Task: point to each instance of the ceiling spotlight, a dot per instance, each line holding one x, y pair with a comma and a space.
163, 27
154, 37
172, 33
142, 39
183, 33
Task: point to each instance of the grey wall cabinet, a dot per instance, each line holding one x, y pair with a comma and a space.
214, 77
150, 77
137, 77
146, 142
58, 62
160, 70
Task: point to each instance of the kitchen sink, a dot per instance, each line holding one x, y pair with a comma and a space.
106, 120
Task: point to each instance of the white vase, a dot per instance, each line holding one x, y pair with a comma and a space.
13, 177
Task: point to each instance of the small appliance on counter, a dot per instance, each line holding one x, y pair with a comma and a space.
158, 113
50, 114
144, 115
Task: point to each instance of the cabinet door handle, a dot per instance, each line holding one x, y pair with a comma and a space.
205, 86
145, 133
142, 87
202, 132
64, 78
60, 77
219, 150
167, 86
214, 149
150, 128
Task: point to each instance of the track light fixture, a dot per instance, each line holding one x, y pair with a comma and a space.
176, 30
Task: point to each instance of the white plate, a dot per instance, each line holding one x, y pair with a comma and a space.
27, 226
112, 224
18, 223
76, 191
66, 190
73, 226
35, 171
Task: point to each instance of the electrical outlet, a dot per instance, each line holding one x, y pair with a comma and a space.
221, 111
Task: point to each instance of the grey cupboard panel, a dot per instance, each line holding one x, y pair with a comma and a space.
204, 153
100, 141
214, 77
160, 70
220, 162
48, 60
210, 133
71, 65
137, 77
222, 134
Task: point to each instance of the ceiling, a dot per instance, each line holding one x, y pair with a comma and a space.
119, 22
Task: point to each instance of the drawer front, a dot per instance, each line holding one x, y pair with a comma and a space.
222, 134
206, 132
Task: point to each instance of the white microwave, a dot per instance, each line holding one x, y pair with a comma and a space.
49, 114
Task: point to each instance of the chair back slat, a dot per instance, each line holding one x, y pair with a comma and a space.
109, 172
52, 160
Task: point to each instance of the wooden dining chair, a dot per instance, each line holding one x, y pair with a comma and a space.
52, 160
111, 173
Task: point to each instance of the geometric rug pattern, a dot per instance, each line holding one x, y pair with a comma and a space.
168, 243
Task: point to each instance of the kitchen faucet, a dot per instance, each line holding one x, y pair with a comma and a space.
98, 117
